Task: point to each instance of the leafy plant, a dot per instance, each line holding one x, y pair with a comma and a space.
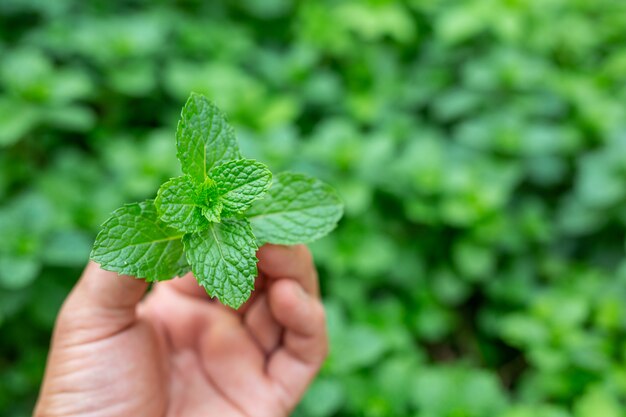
212, 219
478, 147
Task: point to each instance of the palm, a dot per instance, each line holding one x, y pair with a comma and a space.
216, 364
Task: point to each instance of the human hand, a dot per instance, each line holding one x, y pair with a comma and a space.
180, 353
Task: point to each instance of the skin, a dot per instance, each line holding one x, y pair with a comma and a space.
176, 352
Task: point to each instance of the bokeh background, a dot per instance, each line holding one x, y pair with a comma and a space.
479, 145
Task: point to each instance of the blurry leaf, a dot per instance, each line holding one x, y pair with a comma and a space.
520, 329
267, 8
536, 411
433, 322
67, 248
234, 88
133, 79
324, 398
442, 391
71, 117
356, 347
394, 377
17, 271
16, 120
27, 72
449, 288
70, 84
456, 103
107, 39
597, 402
461, 22
375, 21
474, 261
47, 300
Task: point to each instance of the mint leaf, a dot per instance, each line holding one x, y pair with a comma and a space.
134, 241
179, 203
204, 138
204, 220
241, 182
213, 212
296, 209
222, 258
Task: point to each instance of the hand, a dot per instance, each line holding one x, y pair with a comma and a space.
179, 353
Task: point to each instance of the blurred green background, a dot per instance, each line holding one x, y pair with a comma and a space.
479, 145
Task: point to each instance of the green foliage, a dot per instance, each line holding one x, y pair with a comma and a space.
479, 147
144, 240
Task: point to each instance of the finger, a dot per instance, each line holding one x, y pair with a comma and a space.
101, 304
261, 325
292, 262
305, 342
187, 285
303, 319
232, 358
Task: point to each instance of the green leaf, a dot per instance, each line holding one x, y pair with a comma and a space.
223, 260
67, 248
296, 209
213, 212
179, 204
16, 120
18, 271
133, 241
204, 138
240, 182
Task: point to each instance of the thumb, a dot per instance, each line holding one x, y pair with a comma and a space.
101, 305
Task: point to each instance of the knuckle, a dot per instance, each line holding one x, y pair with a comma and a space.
319, 314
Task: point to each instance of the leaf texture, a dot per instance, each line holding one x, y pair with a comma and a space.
240, 182
204, 138
296, 209
134, 241
223, 260
179, 204
211, 219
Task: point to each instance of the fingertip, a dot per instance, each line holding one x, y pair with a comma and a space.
271, 255
303, 319
293, 262
101, 304
109, 289
295, 309
187, 285
95, 274
288, 295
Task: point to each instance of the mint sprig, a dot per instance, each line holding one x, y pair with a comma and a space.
212, 219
